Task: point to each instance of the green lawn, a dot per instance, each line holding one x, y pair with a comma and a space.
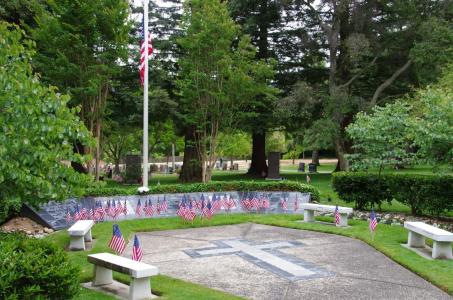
388, 240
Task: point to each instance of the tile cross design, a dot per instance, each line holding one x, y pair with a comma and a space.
266, 256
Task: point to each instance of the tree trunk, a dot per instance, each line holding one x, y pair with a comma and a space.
342, 164
78, 148
258, 166
117, 167
98, 148
315, 157
191, 170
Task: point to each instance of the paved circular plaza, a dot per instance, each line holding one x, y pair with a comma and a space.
266, 262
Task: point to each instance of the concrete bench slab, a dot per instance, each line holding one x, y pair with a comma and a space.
105, 263
442, 239
310, 208
80, 233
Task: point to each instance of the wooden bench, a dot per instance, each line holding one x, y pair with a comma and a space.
104, 263
442, 239
310, 208
80, 233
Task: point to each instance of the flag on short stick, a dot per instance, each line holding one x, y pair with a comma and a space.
137, 253
373, 221
138, 209
337, 216
117, 243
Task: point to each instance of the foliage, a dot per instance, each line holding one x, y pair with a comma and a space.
365, 190
432, 194
402, 133
215, 186
234, 145
383, 137
215, 82
37, 133
35, 269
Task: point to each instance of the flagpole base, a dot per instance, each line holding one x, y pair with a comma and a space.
143, 189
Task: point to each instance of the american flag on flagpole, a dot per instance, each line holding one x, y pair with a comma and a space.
137, 253
142, 50
373, 221
337, 216
117, 243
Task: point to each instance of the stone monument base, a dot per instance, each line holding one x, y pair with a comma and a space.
116, 289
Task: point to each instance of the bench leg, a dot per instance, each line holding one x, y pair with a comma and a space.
88, 237
309, 215
343, 220
102, 276
416, 240
76, 243
140, 288
442, 250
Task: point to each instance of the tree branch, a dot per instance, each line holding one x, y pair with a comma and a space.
350, 81
388, 82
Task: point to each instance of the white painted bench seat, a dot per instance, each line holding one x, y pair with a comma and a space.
105, 263
80, 233
310, 208
442, 239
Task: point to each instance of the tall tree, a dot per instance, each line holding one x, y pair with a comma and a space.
79, 46
215, 80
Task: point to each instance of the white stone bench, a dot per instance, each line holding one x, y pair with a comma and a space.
80, 233
442, 239
310, 208
104, 263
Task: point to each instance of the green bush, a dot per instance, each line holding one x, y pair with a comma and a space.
366, 190
214, 186
430, 194
35, 269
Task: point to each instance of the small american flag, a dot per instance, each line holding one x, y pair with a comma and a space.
77, 214
142, 50
164, 205
209, 210
373, 221
296, 204
138, 208
337, 216
137, 253
158, 206
68, 216
84, 214
284, 204
117, 243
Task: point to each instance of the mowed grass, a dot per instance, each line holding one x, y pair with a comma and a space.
388, 240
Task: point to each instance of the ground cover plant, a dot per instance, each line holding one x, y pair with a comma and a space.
388, 240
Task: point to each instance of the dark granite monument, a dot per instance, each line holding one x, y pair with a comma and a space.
133, 168
312, 168
301, 167
274, 166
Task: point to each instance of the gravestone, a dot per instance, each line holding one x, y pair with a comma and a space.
236, 167
301, 167
312, 168
133, 168
274, 166
225, 167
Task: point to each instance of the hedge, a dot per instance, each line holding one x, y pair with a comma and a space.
213, 186
430, 194
35, 269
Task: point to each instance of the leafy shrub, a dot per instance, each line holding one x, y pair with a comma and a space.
431, 194
366, 190
35, 269
214, 186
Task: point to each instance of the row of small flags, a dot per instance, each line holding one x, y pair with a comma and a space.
118, 244
188, 207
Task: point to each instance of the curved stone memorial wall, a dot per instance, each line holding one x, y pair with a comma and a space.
54, 214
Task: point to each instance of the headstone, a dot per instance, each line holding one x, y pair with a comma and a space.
274, 166
162, 168
301, 167
236, 167
217, 165
225, 166
133, 168
312, 168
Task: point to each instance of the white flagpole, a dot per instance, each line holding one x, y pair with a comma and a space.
145, 101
